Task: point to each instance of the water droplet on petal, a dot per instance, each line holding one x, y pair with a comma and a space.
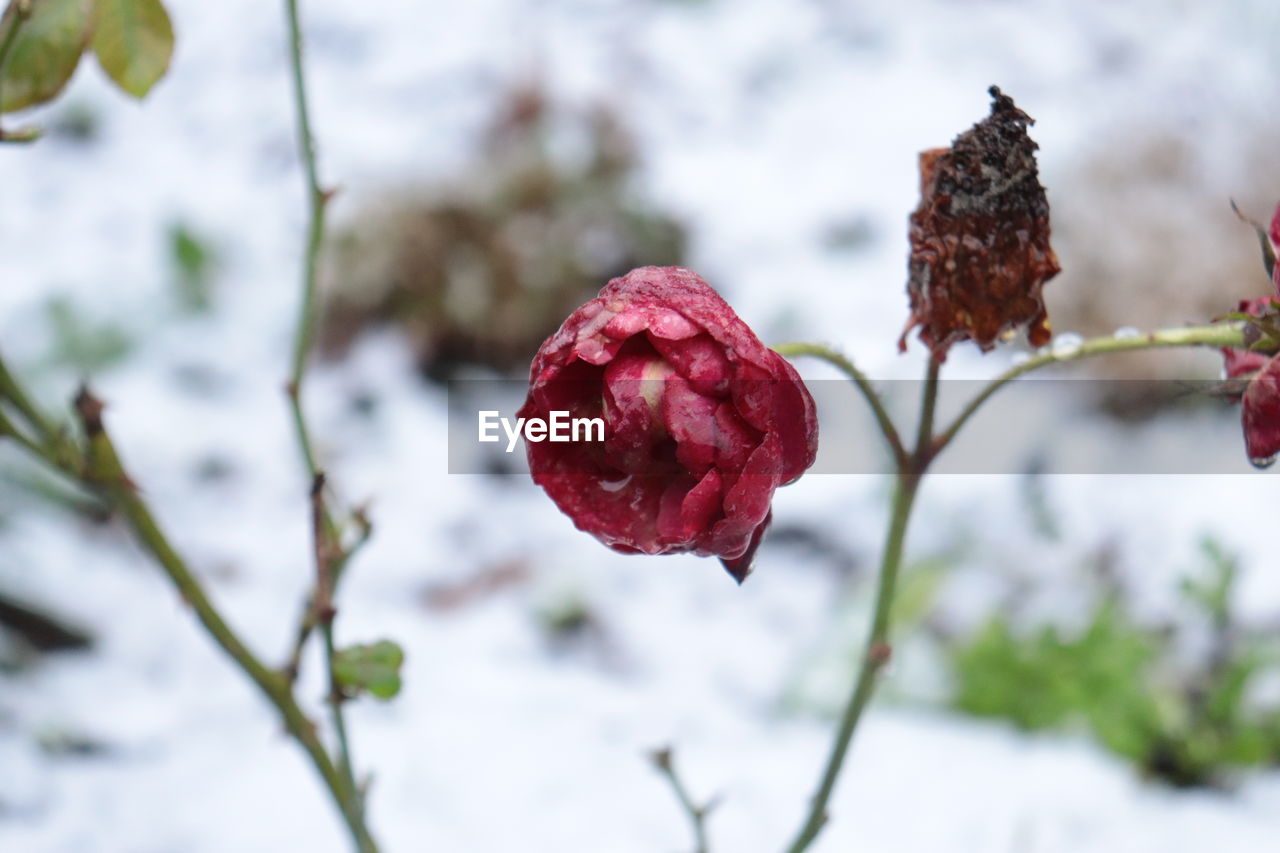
1262, 462
1066, 345
1126, 333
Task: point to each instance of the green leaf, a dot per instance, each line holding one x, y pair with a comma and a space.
134, 43
43, 52
375, 668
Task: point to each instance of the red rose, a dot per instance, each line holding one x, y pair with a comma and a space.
1260, 415
702, 420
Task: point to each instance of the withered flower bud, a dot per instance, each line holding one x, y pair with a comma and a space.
980, 252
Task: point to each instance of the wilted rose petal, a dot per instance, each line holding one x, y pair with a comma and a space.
702, 421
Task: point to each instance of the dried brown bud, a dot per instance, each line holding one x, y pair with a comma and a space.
980, 252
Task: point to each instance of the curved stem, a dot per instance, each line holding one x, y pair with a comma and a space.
329, 557
1216, 335
875, 656
849, 369
877, 651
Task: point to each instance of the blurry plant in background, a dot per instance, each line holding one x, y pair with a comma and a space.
480, 271
1179, 701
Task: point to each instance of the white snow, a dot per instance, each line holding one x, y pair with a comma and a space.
762, 122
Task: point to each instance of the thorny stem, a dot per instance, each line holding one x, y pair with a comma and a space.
330, 559
326, 551
662, 760
317, 200
102, 470
848, 368
308, 310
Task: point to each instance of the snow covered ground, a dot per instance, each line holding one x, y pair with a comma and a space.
762, 122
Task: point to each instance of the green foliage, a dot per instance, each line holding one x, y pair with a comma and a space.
134, 43
192, 260
41, 42
1183, 722
370, 668
81, 343
44, 48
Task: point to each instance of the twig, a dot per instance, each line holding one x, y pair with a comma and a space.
317, 200
849, 369
1215, 335
103, 471
326, 551
329, 555
308, 311
662, 760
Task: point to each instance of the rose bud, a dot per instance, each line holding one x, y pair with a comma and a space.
1260, 415
702, 420
980, 252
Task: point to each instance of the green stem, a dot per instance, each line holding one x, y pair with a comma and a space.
875, 656
1216, 335
329, 559
12, 390
326, 552
877, 651
308, 311
316, 203
104, 472
849, 369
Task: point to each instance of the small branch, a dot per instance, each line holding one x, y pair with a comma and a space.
326, 553
317, 199
849, 369
1216, 335
103, 471
308, 311
661, 759
18, 12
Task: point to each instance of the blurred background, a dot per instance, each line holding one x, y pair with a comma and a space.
1083, 662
